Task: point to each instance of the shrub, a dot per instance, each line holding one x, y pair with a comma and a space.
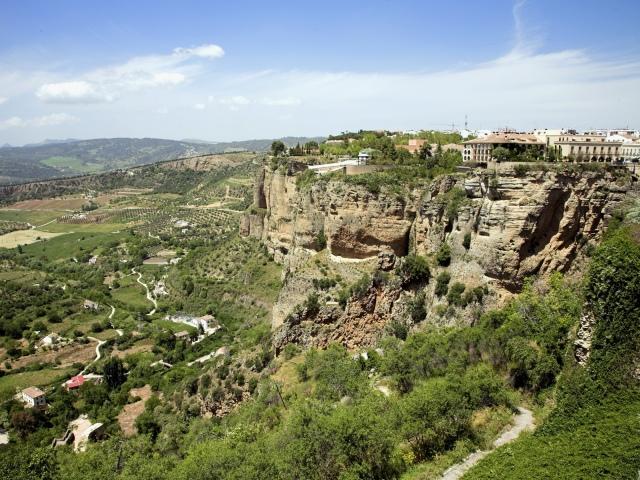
398, 329
442, 283
454, 297
466, 241
321, 240
416, 307
455, 199
290, 350
361, 287
435, 415
414, 269
520, 169
443, 257
312, 305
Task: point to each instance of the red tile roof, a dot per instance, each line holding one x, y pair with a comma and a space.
75, 382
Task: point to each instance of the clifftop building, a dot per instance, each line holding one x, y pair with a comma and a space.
480, 149
558, 144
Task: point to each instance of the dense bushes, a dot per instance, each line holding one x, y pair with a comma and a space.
443, 256
442, 283
414, 269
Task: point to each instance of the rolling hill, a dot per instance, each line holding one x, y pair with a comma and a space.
68, 158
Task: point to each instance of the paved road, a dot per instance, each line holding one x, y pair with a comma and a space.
523, 421
146, 287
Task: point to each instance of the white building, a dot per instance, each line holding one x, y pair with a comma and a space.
364, 156
630, 152
33, 397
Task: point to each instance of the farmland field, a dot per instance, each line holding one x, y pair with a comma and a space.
39, 378
24, 237
72, 164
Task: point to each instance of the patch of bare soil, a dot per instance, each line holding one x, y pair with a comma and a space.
67, 356
127, 417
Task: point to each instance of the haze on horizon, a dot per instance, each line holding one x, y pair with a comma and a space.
215, 71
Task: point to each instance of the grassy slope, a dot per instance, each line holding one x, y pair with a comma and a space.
604, 444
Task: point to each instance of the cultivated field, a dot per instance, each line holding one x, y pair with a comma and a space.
24, 237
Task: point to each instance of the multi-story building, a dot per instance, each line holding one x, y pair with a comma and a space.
480, 149
630, 152
587, 148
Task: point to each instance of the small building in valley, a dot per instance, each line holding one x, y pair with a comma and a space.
33, 397
89, 305
183, 335
77, 381
365, 156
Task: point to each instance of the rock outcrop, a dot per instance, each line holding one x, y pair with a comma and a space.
518, 224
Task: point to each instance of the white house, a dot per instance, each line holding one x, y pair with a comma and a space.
89, 305
364, 156
33, 397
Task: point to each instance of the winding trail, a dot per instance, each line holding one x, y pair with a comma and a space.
146, 287
98, 355
118, 331
523, 421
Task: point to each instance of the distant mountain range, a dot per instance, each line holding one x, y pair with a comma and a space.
60, 158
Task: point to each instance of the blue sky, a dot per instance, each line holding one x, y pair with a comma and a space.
239, 70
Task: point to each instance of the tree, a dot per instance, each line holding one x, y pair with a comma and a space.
24, 422
443, 257
114, 372
425, 151
414, 269
501, 154
442, 283
435, 414
466, 241
277, 148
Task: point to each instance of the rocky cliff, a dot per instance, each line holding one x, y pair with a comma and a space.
517, 224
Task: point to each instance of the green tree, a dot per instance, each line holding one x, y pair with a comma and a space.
501, 154
278, 148
414, 269
443, 257
435, 414
442, 283
114, 372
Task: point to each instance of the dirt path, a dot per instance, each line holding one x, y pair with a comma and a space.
100, 343
118, 331
44, 224
146, 287
523, 421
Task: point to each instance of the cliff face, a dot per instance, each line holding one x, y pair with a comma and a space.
519, 225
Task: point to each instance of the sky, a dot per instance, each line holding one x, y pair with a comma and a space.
234, 70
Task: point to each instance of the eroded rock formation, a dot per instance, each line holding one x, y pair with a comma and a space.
519, 225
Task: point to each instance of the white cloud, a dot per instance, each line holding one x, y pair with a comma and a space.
52, 119
78, 91
204, 51
281, 102
13, 122
3, 99
108, 83
199, 106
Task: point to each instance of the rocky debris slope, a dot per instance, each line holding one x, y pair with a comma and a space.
516, 224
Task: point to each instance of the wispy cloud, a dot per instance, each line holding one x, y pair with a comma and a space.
3, 99
108, 83
43, 121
